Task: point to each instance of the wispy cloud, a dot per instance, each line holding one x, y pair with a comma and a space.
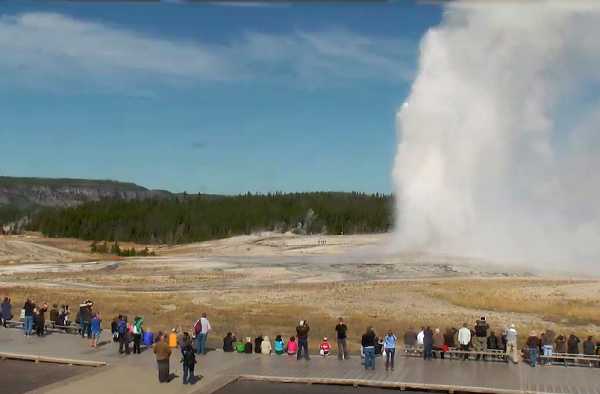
39, 48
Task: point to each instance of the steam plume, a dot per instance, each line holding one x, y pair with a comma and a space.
499, 141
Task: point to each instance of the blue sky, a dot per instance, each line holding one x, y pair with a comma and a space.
207, 98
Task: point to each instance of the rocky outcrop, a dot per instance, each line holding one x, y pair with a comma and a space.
25, 195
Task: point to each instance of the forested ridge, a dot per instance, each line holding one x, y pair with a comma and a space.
192, 218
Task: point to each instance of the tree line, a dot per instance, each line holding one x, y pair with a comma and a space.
192, 218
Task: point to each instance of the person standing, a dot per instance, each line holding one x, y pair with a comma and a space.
163, 354
464, 338
84, 318
123, 335
6, 311
368, 345
389, 344
188, 359
548, 346
410, 340
342, 335
533, 344
96, 328
202, 334
427, 343
41, 320
138, 331
302, 333
573, 344
28, 318
54, 315
480, 340
511, 344
420, 336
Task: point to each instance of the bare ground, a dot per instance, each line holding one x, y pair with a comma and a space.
264, 283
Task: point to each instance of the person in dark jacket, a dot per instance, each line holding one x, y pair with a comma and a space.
480, 338
54, 315
248, 346
492, 341
449, 337
257, 343
589, 347
302, 333
368, 344
573, 344
6, 311
533, 344
228, 342
188, 359
124, 335
28, 319
410, 340
41, 320
427, 343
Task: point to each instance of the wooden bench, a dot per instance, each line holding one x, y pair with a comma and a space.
454, 353
491, 354
71, 329
572, 359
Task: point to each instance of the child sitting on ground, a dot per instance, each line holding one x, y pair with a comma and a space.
240, 347
278, 345
248, 345
265, 346
292, 346
325, 347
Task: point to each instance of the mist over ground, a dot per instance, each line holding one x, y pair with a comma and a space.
499, 140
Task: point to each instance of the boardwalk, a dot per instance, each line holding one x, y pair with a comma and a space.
136, 373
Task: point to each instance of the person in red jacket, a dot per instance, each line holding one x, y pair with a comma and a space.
325, 347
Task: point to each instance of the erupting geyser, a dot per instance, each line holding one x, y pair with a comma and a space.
499, 144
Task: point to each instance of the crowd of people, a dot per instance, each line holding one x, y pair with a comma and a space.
478, 340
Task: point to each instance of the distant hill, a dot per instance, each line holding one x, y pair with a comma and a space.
20, 197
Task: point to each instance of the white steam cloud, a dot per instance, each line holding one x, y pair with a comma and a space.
499, 141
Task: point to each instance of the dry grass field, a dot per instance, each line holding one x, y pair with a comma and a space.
268, 290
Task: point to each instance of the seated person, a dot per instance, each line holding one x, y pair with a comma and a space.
248, 345
278, 345
228, 342
240, 347
292, 346
325, 347
265, 346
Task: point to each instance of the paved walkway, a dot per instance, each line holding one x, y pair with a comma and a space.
137, 373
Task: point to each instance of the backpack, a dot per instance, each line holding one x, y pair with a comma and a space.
122, 327
197, 327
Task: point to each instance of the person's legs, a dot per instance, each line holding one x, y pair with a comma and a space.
533, 354
465, 348
387, 359
185, 374
204, 338
201, 344
121, 343
198, 343
372, 358
341, 344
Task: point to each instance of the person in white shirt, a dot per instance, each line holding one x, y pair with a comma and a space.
420, 338
205, 329
511, 343
464, 339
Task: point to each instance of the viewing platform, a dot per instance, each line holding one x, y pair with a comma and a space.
137, 373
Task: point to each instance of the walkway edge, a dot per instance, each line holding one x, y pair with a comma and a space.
55, 360
392, 385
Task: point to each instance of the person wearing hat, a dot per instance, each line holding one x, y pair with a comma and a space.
511, 344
